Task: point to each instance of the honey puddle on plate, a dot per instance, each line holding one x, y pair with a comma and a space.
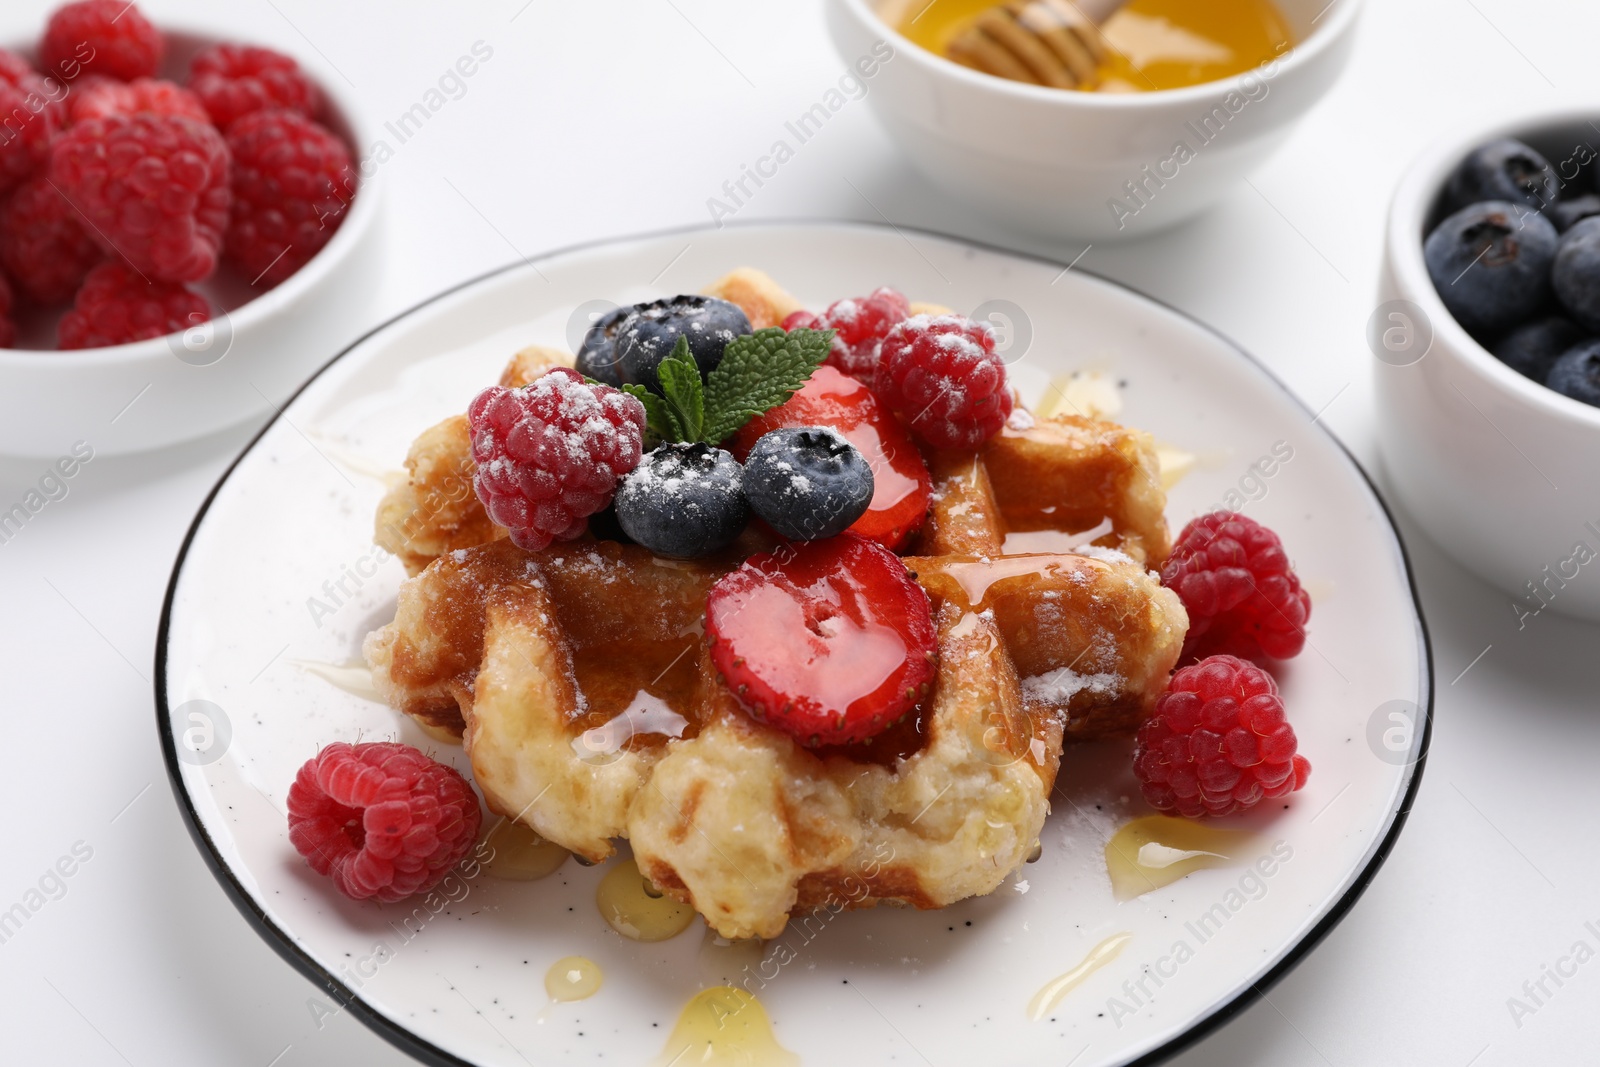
724, 1026
1157, 850
573, 978
520, 855
634, 908
1045, 1001
354, 677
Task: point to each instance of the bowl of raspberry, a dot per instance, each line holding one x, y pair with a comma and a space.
184, 225
1487, 339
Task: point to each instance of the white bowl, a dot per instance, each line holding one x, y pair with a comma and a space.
1058, 162
150, 394
1499, 470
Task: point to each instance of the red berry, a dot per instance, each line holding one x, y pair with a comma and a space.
43, 244
798, 320
116, 306
153, 189
381, 819
107, 37
943, 377
901, 484
292, 182
1218, 742
13, 68
830, 641
234, 80
8, 329
1242, 595
861, 326
30, 117
95, 97
551, 453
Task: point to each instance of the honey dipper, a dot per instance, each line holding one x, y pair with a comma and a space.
1056, 43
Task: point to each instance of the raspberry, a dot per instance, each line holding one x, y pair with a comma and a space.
96, 96
831, 641
942, 376
234, 80
1218, 742
901, 485
29, 120
1243, 597
43, 244
550, 454
116, 306
153, 188
799, 320
108, 37
860, 326
381, 819
292, 182
8, 329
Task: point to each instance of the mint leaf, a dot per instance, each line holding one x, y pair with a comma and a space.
656, 419
758, 372
685, 395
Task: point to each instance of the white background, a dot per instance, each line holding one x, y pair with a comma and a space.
597, 119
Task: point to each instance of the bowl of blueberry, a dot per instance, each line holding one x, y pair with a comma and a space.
1487, 338
185, 225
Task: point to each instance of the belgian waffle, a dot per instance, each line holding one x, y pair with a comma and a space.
580, 680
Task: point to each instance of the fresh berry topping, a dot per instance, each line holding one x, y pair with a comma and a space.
901, 485
807, 483
684, 500
1576, 274
8, 329
28, 123
13, 68
43, 244
1505, 170
292, 183
830, 641
861, 325
1218, 742
153, 188
95, 97
943, 377
108, 37
1532, 349
1242, 596
550, 454
649, 334
597, 354
381, 819
799, 320
1577, 374
1491, 265
1568, 213
116, 306
234, 80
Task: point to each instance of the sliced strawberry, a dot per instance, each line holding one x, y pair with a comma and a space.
829, 641
900, 477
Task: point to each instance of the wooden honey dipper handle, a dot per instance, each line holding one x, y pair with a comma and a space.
1043, 42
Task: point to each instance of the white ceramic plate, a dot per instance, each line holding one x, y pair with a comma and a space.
292, 522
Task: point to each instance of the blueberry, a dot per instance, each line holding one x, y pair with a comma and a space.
647, 336
1504, 170
1576, 274
1531, 349
1491, 265
683, 500
1568, 213
597, 355
807, 482
1577, 374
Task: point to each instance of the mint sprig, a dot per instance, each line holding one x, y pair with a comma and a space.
758, 372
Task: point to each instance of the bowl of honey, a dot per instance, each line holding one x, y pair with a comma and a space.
1092, 119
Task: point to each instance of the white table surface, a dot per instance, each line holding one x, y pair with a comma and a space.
605, 118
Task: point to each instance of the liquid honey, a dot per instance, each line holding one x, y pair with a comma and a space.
635, 909
724, 1026
520, 855
573, 978
1157, 850
1152, 44
1053, 991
